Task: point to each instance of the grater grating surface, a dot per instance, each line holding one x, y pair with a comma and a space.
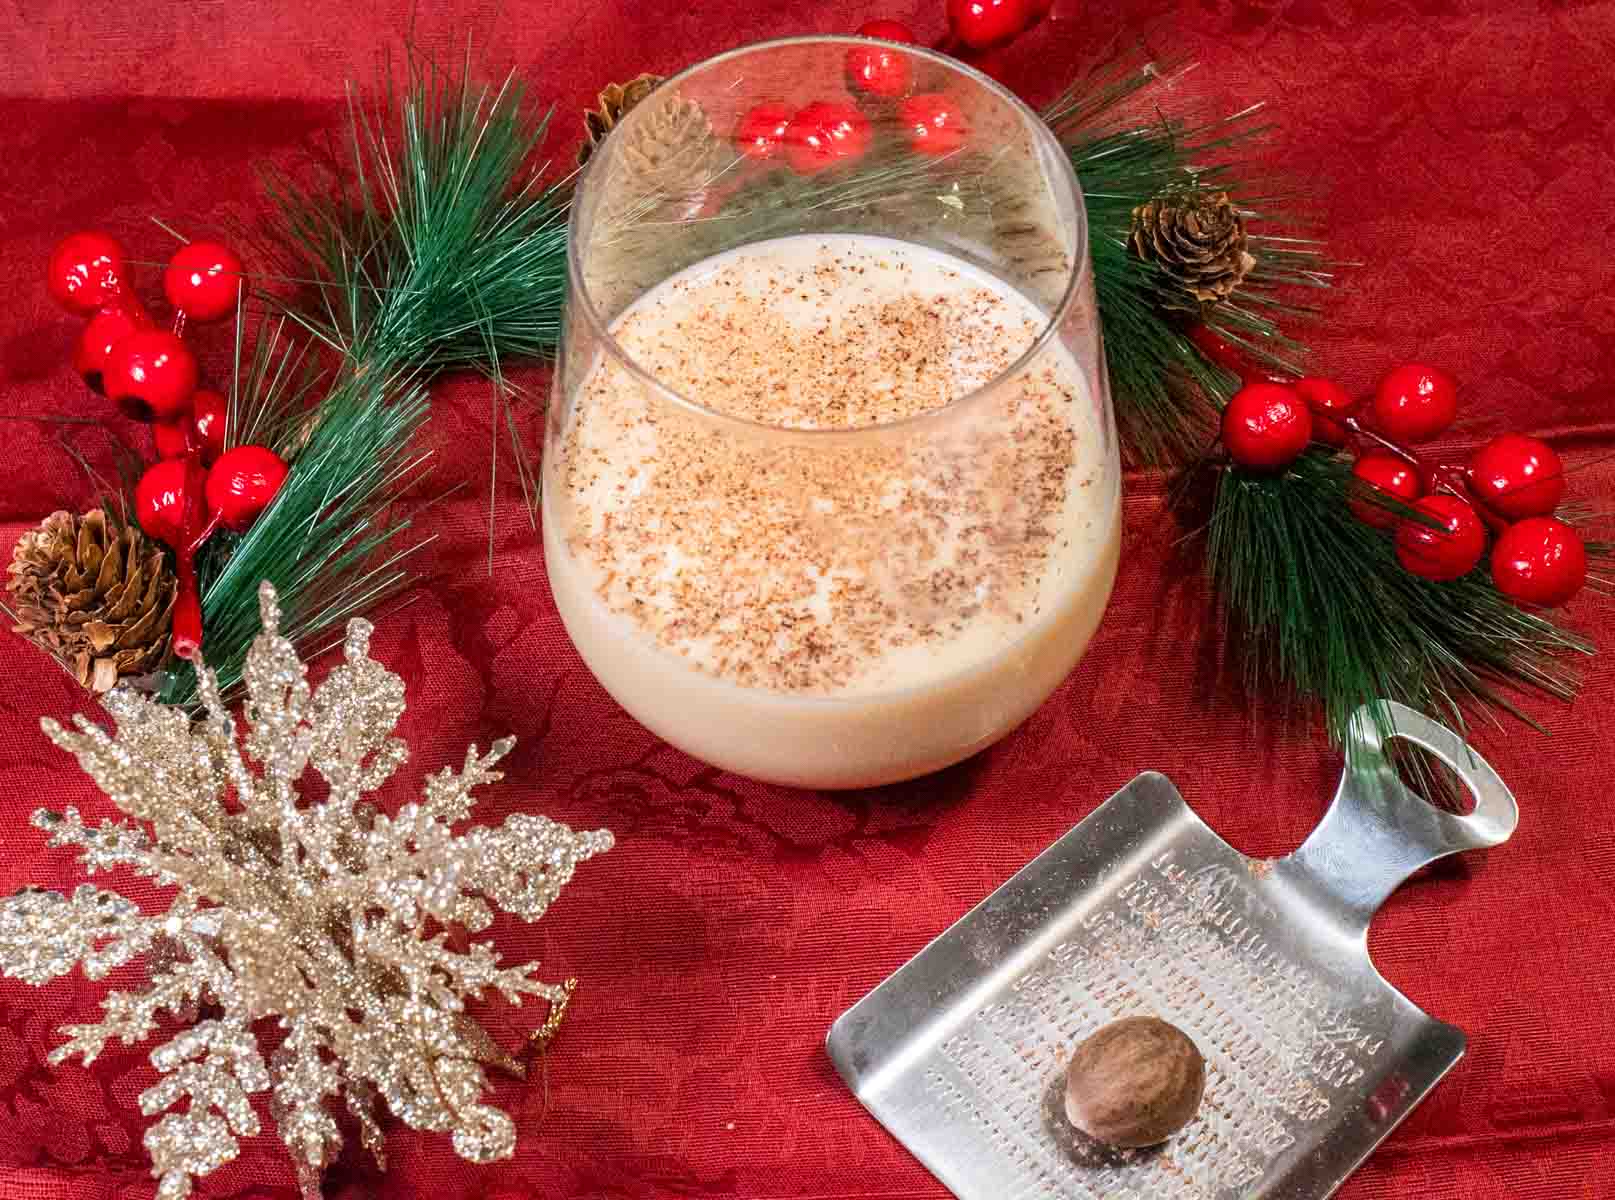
1311, 1057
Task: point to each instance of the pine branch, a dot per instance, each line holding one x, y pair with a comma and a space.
1333, 615
1165, 394
444, 249
273, 394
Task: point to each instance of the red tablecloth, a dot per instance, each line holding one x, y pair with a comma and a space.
1464, 158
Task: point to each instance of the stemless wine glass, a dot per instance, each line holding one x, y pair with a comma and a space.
830, 487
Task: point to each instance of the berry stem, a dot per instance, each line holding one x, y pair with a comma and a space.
188, 611
188, 606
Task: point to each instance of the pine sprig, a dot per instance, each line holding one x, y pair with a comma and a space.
1165, 394
443, 247
1332, 614
332, 541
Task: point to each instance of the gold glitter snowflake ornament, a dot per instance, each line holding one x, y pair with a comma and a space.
328, 918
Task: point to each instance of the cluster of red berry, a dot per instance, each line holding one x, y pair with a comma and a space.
152, 375
1512, 485
836, 132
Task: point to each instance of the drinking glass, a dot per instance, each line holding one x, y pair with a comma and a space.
831, 494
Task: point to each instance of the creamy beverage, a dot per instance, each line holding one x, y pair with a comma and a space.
846, 578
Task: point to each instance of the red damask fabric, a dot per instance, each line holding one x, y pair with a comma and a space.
1461, 153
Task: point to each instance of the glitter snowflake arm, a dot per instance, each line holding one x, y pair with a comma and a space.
220, 731
154, 769
45, 934
215, 1065
196, 974
521, 866
305, 1076
111, 844
440, 976
429, 1077
448, 795
130, 1016
352, 717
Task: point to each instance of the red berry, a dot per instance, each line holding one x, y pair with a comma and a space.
106, 329
172, 438
1415, 403
207, 423
160, 501
934, 123
242, 484
1539, 560
1447, 551
825, 134
1265, 426
169, 504
980, 24
203, 280
201, 430
881, 70
150, 375
85, 271
887, 31
1330, 404
1380, 472
761, 131
1517, 476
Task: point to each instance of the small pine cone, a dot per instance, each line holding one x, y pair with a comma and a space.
612, 103
95, 593
671, 152
1198, 241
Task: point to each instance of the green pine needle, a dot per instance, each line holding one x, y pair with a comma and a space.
1334, 616
273, 394
444, 249
327, 541
1165, 393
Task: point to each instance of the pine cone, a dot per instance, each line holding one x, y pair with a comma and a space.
671, 151
616, 100
94, 592
1198, 241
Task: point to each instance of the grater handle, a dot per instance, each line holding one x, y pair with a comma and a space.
1378, 831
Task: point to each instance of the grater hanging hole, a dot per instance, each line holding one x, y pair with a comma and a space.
1430, 776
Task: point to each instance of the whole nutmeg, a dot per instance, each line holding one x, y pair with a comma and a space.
1134, 1083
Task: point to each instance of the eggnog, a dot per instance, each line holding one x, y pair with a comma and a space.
866, 567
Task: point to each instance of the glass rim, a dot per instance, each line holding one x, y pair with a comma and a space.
1069, 298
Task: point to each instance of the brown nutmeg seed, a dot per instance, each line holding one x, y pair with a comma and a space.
1134, 1083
